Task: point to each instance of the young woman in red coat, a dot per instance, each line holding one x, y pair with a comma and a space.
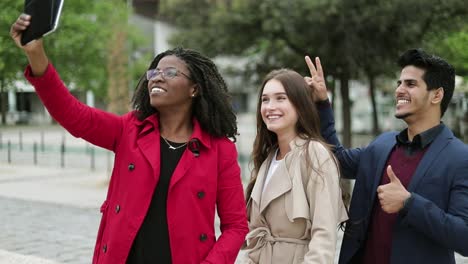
174, 162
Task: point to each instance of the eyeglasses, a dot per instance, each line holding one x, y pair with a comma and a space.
167, 73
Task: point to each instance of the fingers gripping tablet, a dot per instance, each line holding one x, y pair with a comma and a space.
44, 14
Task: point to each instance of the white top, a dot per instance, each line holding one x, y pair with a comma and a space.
273, 165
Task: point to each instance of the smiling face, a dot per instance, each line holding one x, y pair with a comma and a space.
176, 92
278, 113
413, 100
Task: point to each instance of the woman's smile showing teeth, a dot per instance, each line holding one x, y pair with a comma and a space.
273, 117
155, 90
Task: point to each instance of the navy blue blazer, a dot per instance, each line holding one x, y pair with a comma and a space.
434, 223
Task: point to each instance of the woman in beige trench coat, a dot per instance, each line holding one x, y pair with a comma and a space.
294, 197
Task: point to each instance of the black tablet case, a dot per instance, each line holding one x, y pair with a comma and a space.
44, 14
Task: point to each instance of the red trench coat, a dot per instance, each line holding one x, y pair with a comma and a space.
198, 185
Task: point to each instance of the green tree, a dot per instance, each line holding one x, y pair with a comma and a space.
11, 58
454, 48
82, 48
355, 38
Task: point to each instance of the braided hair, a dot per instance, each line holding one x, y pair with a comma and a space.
212, 107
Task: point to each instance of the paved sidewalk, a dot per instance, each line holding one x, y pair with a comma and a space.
74, 187
10, 257
51, 215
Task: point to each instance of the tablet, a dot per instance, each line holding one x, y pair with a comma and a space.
44, 14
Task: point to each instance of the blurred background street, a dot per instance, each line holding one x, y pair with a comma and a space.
50, 214
52, 184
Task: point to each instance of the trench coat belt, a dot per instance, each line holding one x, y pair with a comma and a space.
265, 240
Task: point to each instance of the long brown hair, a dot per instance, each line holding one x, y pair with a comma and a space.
307, 126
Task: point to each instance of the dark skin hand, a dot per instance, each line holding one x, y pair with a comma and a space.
34, 50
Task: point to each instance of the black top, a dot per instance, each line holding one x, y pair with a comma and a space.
151, 244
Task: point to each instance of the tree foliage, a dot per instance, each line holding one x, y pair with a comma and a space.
10, 56
354, 38
454, 47
80, 48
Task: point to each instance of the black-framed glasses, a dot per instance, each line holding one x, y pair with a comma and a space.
167, 73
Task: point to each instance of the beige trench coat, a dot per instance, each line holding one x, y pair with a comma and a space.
295, 220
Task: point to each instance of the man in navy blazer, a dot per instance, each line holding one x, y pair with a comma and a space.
410, 199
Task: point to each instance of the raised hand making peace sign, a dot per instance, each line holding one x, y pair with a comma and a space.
316, 81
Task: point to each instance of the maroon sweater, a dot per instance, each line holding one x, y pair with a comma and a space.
404, 158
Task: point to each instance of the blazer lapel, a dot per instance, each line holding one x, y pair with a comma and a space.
279, 184
440, 142
377, 173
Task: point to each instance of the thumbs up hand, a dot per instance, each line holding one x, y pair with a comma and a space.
393, 194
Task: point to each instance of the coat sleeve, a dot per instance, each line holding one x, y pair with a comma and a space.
326, 207
93, 125
230, 207
348, 158
449, 228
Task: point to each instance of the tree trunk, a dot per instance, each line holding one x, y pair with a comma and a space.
346, 185
3, 101
375, 117
117, 69
333, 92
346, 110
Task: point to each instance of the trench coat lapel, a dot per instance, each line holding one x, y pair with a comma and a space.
279, 184
183, 166
149, 143
188, 157
256, 194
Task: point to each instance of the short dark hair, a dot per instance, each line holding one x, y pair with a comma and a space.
211, 107
438, 73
